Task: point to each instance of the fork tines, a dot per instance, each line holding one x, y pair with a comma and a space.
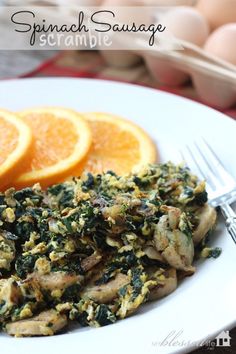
201, 158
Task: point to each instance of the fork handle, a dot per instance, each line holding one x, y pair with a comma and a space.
230, 219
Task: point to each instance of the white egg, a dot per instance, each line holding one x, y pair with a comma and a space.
218, 12
169, 2
80, 2
188, 24
184, 23
222, 43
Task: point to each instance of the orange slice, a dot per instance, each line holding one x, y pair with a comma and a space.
62, 138
117, 144
15, 143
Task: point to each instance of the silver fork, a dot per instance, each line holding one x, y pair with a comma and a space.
221, 186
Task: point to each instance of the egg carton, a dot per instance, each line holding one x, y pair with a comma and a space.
213, 78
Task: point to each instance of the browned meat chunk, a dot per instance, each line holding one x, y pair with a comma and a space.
89, 262
207, 219
106, 292
7, 252
175, 246
45, 324
55, 280
10, 295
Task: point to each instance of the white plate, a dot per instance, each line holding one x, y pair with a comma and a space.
203, 304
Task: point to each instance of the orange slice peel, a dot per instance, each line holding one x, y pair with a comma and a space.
62, 139
15, 144
117, 144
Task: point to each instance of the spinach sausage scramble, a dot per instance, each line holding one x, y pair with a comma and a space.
95, 248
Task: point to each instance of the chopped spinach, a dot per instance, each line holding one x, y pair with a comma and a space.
71, 293
214, 252
104, 316
25, 264
136, 282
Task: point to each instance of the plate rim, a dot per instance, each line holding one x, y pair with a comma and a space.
219, 114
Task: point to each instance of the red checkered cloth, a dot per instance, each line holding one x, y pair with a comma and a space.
90, 64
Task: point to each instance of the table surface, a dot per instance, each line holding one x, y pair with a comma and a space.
91, 64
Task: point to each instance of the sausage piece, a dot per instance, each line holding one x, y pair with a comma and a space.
45, 324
